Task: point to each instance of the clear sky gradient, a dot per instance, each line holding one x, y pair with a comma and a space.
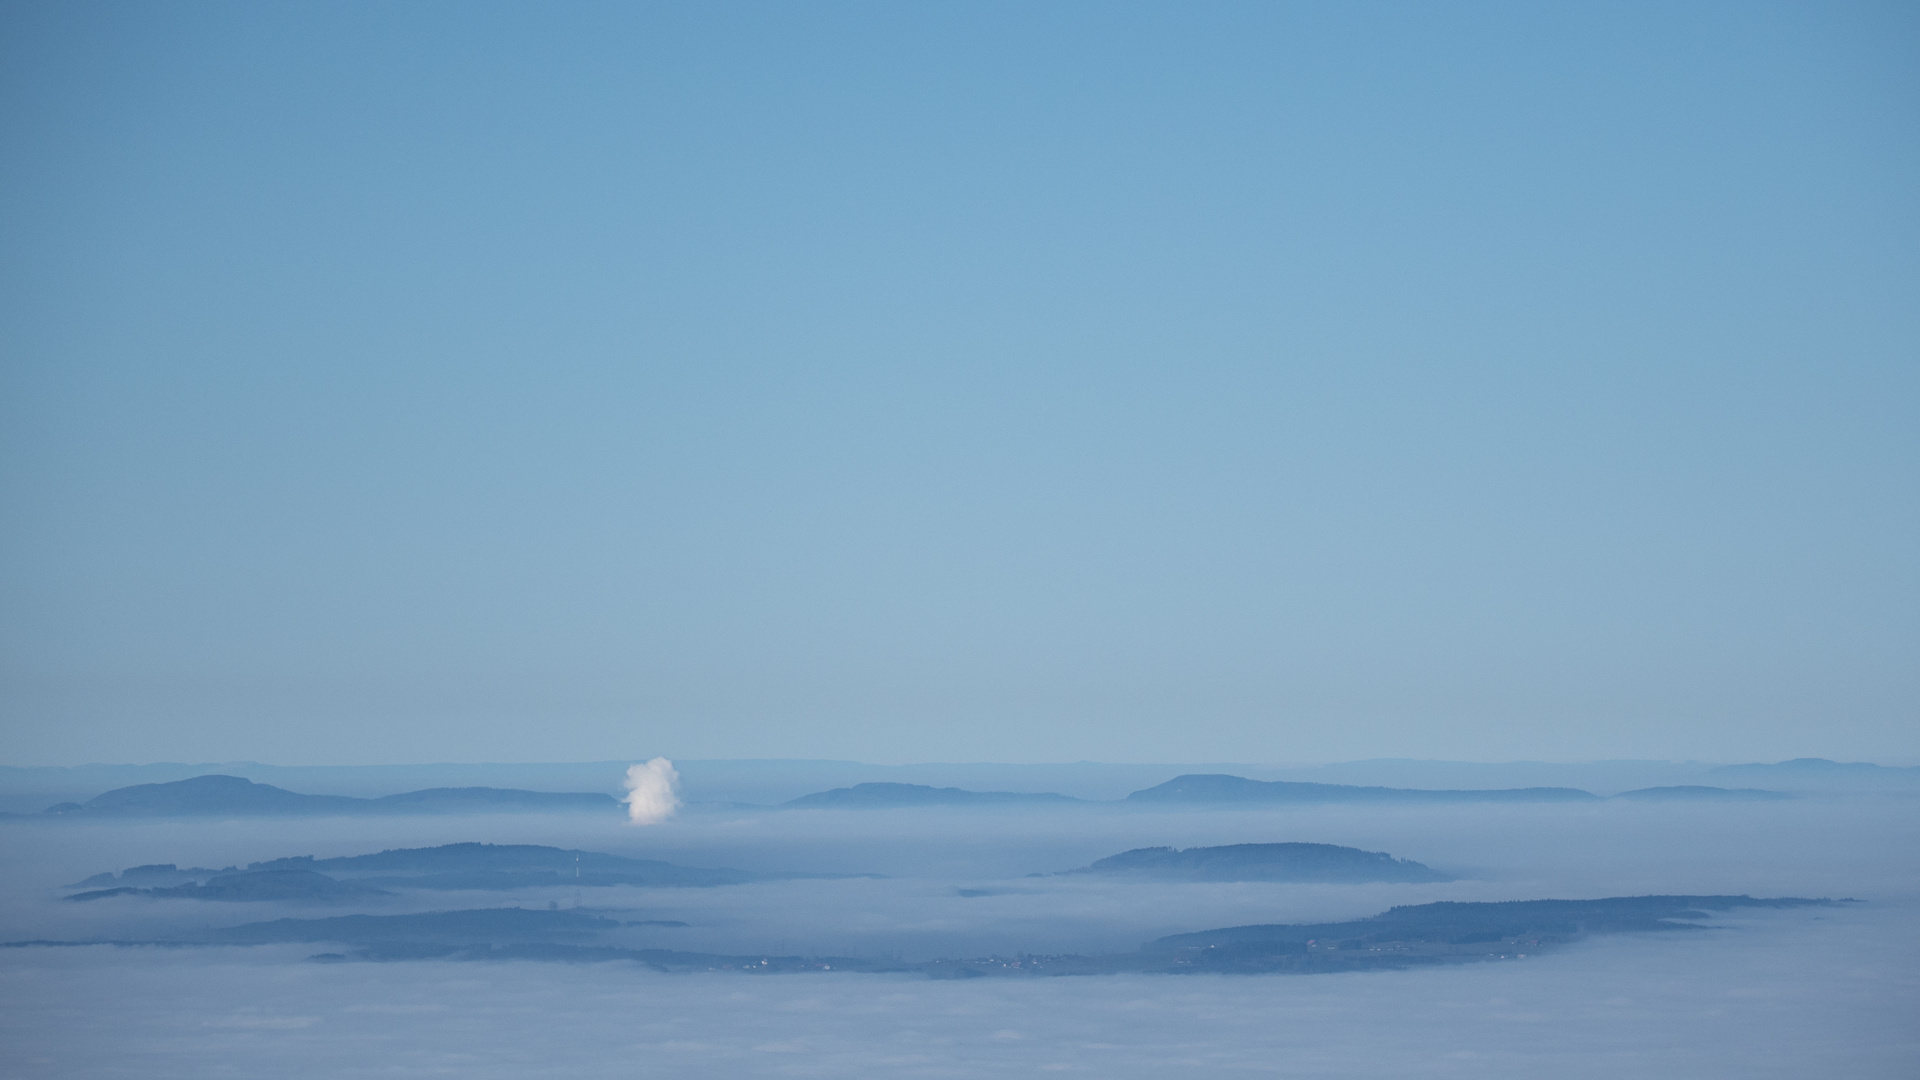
1023, 382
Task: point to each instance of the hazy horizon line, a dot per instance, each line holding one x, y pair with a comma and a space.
950, 764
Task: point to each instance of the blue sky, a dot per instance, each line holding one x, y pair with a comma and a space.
959, 382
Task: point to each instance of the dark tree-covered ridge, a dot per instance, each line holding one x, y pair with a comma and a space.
1409, 936
1262, 862
446, 867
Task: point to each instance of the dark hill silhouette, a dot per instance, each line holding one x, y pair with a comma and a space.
1452, 922
252, 885
1262, 862
153, 875
1700, 793
449, 866
1416, 935
215, 795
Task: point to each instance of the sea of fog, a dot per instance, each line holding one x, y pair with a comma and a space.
1796, 993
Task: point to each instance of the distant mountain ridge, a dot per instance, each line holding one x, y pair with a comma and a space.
1221, 788
878, 795
1262, 862
29, 790
236, 796
1822, 773
233, 795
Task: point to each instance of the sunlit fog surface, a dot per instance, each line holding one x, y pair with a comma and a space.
1782, 993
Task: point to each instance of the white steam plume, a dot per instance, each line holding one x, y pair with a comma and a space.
653, 792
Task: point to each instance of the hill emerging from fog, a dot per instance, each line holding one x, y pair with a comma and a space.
1261, 862
882, 795
1417, 935
234, 796
301, 885
1441, 932
510, 866
494, 867
1699, 793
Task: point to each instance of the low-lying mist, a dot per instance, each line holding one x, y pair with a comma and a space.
970, 882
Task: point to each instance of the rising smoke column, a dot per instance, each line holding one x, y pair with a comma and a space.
653, 792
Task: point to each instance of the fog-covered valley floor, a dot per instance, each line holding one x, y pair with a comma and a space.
1825, 991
